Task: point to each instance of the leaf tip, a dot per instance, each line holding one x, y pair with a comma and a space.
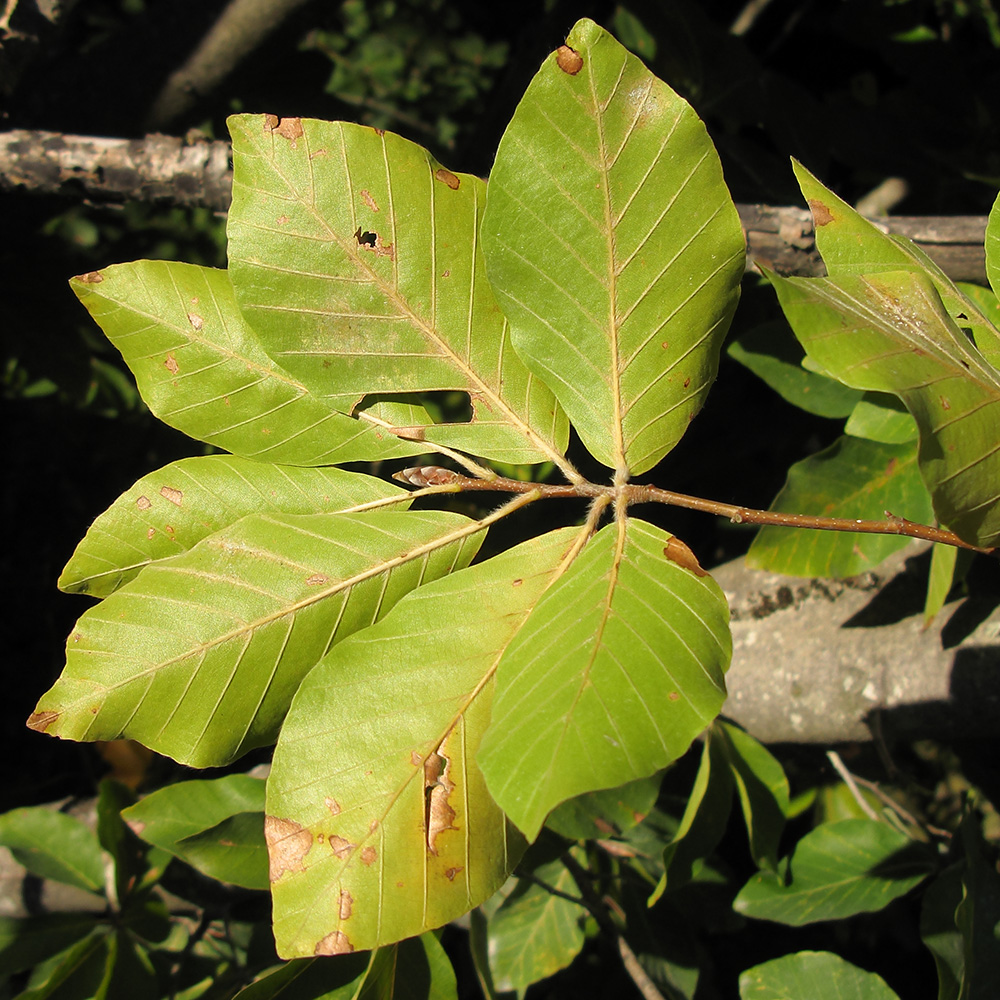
40, 721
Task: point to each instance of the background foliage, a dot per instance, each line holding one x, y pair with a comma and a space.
840, 87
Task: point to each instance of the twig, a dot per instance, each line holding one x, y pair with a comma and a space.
839, 767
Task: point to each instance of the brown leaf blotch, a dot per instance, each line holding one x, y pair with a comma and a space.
673, 696
569, 60
40, 721
174, 496
822, 216
415, 758
333, 805
90, 278
315, 580
438, 787
447, 177
170, 363
270, 123
288, 128
144, 503
335, 943
677, 552
346, 903
367, 198
368, 855
342, 848
452, 872
287, 846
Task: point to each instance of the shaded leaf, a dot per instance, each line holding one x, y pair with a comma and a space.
763, 792
199, 656
853, 478
51, 844
379, 822
233, 851
837, 870
819, 975
355, 257
851, 245
417, 969
616, 671
940, 933
535, 933
78, 973
773, 354
614, 248
606, 812
311, 979
201, 369
27, 941
890, 332
168, 511
977, 916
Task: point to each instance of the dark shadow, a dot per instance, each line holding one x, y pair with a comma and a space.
902, 597
983, 582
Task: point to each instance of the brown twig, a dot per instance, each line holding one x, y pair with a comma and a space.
433, 475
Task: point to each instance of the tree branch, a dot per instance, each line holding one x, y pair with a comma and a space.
196, 172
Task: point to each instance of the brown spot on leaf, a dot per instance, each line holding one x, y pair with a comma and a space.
270, 123
447, 177
282, 220
196, 321
169, 529
517, 582
143, 503
335, 943
372, 242
170, 363
151, 532
342, 848
287, 845
677, 552
945, 403
822, 216
174, 496
604, 826
333, 805
665, 345
674, 695
40, 721
91, 278
319, 152
569, 60
369, 200
437, 789
346, 902
687, 381
415, 758
368, 855
315, 580
287, 128
891, 467
450, 873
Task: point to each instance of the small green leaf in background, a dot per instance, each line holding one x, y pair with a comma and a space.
853, 478
944, 563
202, 370
773, 354
940, 933
535, 933
606, 812
878, 416
616, 671
168, 511
311, 979
812, 975
233, 851
763, 791
614, 248
837, 870
51, 844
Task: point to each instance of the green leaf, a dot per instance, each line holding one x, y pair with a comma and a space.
233, 851
311, 979
54, 845
890, 332
606, 812
127, 852
837, 870
199, 656
616, 671
851, 245
944, 560
79, 973
763, 790
614, 248
878, 416
535, 933
977, 916
940, 933
818, 975
989, 306
417, 969
853, 478
704, 821
379, 822
168, 511
27, 941
773, 354
355, 257
202, 370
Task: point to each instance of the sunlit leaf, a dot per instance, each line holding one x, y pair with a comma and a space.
818, 975
168, 511
199, 656
890, 332
853, 478
379, 822
837, 870
51, 844
614, 247
614, 674
202, 370
535, 933
355, 256
878, 416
